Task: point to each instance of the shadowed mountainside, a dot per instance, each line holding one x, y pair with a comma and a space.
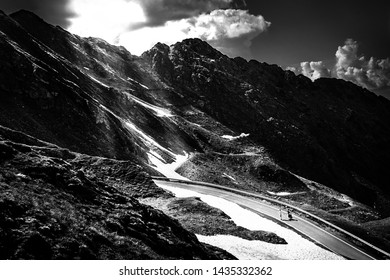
329, 130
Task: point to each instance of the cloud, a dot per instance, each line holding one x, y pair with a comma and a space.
291, 68
315, 70
138, 25
106, 19
221, 24
347, 54
158, 12
141, 40
56, 12
231, 30
372, 73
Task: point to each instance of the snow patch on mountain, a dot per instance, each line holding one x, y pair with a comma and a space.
147, 139
284, 193
97, 81
72, 83
78, 48
134, 81
230, 137
168, 169
228, 176
160, 112
315, 186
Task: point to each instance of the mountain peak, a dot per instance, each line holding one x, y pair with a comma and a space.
199, 46
27, 15
31, 22
195, 41
161, 47
193, 44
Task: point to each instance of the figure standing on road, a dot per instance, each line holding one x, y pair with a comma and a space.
289, 215
280, 213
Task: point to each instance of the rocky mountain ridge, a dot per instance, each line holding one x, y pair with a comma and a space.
329, 130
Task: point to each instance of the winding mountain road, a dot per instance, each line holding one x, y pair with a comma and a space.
251, 202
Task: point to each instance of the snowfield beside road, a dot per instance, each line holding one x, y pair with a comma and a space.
298, 248
259, 250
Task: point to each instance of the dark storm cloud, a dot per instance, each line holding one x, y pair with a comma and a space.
158, 12
53, 11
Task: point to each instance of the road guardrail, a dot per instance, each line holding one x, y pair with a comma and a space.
279, 203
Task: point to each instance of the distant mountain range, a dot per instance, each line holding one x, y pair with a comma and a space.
93, 98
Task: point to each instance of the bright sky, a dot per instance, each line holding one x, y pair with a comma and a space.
104, 19
139, 25
113, 21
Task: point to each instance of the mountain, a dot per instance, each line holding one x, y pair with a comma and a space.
57, 204
244, 123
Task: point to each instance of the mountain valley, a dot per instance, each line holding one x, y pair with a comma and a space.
83, 124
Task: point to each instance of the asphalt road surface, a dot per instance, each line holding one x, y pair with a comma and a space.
305, 227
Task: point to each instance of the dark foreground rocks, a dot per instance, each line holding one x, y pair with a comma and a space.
54, 206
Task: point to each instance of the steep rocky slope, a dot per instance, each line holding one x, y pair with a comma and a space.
56, 204
331, 131
245, 123
74, 92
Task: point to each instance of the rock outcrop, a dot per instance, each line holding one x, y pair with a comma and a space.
56, 204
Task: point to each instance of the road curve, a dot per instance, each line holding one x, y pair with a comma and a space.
305, 227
